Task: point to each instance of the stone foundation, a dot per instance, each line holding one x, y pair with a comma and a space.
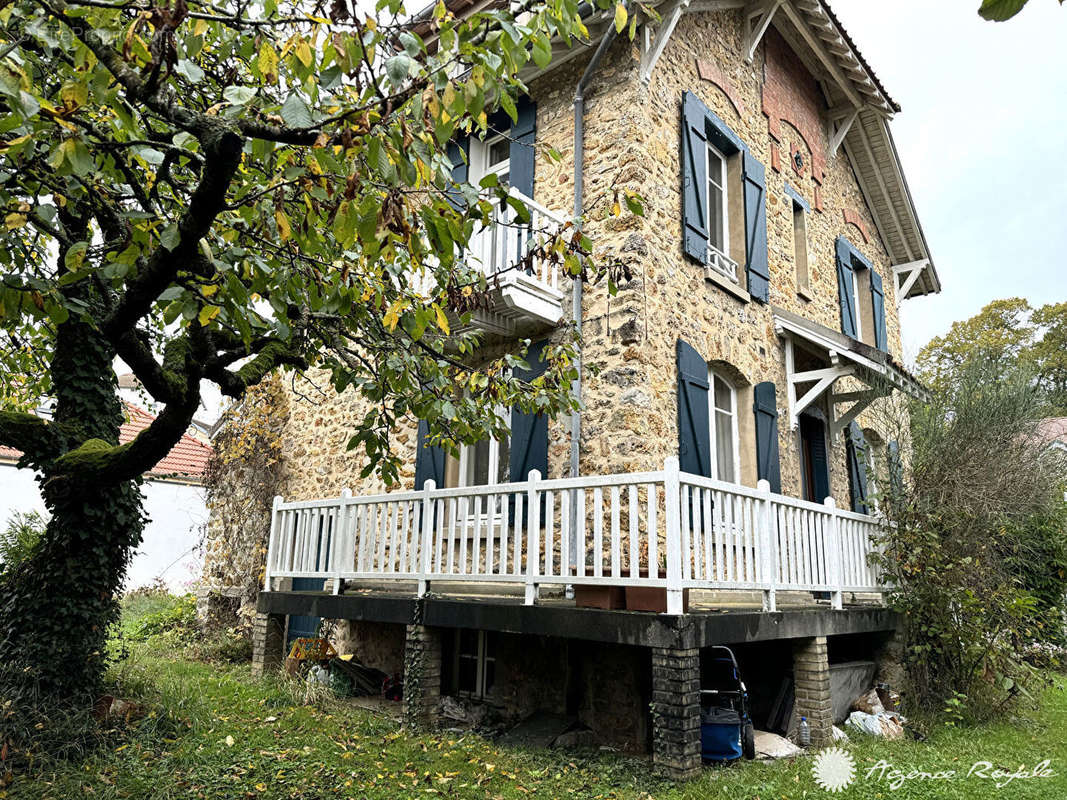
268, 642
676, 712
811, 677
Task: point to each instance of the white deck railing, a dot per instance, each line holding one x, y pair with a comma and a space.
502, 245
700, 533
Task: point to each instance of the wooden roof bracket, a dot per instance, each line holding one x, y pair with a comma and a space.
758, 16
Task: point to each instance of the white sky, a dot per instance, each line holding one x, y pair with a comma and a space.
983, 140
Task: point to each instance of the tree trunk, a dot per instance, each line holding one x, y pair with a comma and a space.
56, 607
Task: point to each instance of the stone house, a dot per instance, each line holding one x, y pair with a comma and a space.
729, 394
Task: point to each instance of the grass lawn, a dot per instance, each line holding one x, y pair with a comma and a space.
215, 732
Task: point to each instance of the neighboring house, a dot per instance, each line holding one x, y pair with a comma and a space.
173, 501
732, 395
1053, 430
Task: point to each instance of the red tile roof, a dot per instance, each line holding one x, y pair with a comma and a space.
186, 461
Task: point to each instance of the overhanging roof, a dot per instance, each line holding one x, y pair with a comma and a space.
876, 365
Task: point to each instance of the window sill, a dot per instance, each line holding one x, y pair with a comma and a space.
725, 283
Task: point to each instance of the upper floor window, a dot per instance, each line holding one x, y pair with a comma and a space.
718, 210
724, 440
493, 155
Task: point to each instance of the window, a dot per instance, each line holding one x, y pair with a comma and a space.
724, 445
474, 663
800, 249
857, 301
492, 155
485, 463
719, 215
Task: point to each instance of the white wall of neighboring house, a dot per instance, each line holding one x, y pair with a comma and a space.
169, 548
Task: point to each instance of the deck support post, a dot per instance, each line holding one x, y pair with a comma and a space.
836, 578
811, 679
672, 507
268, 642
768, 542
533, 537
422, 676
428, 524
676, 712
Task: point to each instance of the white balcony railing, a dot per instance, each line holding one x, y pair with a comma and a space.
696, 532
722, 263
524, 288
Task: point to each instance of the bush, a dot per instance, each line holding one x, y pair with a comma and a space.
976, 553
177, 615
19, 537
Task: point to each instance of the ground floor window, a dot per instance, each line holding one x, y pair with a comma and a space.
473, 663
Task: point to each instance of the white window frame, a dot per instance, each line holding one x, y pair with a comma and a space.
490, 246
480, 166
856, 302
713, 411
466, 456
719, 256
480, 658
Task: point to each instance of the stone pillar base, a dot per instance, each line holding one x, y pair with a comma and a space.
811, 679
268, 642
422, 677
676, 712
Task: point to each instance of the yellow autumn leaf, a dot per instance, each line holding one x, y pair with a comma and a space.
392, 316
284, 230
268, 62
303, 52
207, 313
442, 318
209, 289
620, 17
616, 209
13, 221
200, 27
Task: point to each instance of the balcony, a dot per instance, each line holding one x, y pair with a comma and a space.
604, 530
526, 298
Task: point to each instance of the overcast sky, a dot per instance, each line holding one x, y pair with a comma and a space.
983, 139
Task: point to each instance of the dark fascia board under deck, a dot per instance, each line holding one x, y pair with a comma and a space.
635, 628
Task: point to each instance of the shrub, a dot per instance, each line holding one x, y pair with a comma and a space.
976, 553
177, 616
19, 537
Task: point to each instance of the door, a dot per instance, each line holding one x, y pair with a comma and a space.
815, 467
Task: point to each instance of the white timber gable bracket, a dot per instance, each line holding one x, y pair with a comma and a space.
907, 275
873, 374
758, 17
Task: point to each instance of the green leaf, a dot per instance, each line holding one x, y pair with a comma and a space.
398, 68
170, 236
542, 51
1000, 10
296, 113
189, 70
238, 95
75, 255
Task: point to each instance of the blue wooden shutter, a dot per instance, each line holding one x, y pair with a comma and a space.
459, 154
857, 467
845, 290
765, 406
757, 266
521, 155
881, 341
694, 424
694, 178
429, 460
529, 432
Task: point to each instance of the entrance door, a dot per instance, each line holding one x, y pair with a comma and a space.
815, 468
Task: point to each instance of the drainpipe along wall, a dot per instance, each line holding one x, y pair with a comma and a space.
576, 296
